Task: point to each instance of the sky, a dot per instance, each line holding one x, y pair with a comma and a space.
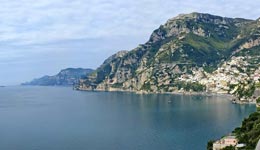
41, 37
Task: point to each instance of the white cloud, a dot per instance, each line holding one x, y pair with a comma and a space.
41, 21
35, 29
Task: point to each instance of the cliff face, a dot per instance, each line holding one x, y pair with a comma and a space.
184, 45
65, 77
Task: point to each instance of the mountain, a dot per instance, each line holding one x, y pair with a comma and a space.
65, 77
179, 54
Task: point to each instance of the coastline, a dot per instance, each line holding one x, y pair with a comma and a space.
244, 137
226, 95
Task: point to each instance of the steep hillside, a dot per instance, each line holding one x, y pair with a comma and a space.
193, 44
249, 132
65, 77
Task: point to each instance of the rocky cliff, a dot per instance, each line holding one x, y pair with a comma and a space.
65, 77
189, 45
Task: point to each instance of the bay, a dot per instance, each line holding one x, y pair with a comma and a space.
59, 118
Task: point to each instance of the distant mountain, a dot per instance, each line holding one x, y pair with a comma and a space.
180, 53
65, 77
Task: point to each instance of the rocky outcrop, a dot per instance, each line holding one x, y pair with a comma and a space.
248, 45
251, 43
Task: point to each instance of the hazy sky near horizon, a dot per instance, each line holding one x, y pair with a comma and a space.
40, 37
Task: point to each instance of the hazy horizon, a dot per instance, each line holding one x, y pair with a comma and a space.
43, 37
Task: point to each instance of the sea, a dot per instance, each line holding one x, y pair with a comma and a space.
60, 118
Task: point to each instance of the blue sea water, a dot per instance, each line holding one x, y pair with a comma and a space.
59, 118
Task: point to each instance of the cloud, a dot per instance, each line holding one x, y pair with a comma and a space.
41, 21
44, 32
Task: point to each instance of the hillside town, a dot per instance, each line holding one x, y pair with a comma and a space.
238, 72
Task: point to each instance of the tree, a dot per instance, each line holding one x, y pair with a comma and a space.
210, 145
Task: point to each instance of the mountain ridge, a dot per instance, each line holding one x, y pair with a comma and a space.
183, 45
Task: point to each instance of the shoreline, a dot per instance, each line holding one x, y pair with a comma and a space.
208, 94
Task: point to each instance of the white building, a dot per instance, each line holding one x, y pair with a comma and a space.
224, 142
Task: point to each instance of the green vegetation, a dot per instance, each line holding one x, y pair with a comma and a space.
205, 43
249, 132
146, 86
210, 145
257, 85
258, 100
245, 90
209, 69
190, 86
117, 85
229, 148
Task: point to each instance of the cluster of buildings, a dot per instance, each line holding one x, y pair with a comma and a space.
232, 72
227, 141
256, 75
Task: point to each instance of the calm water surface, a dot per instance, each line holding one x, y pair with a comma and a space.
58, 118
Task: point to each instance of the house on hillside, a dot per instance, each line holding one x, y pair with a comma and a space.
224, 142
